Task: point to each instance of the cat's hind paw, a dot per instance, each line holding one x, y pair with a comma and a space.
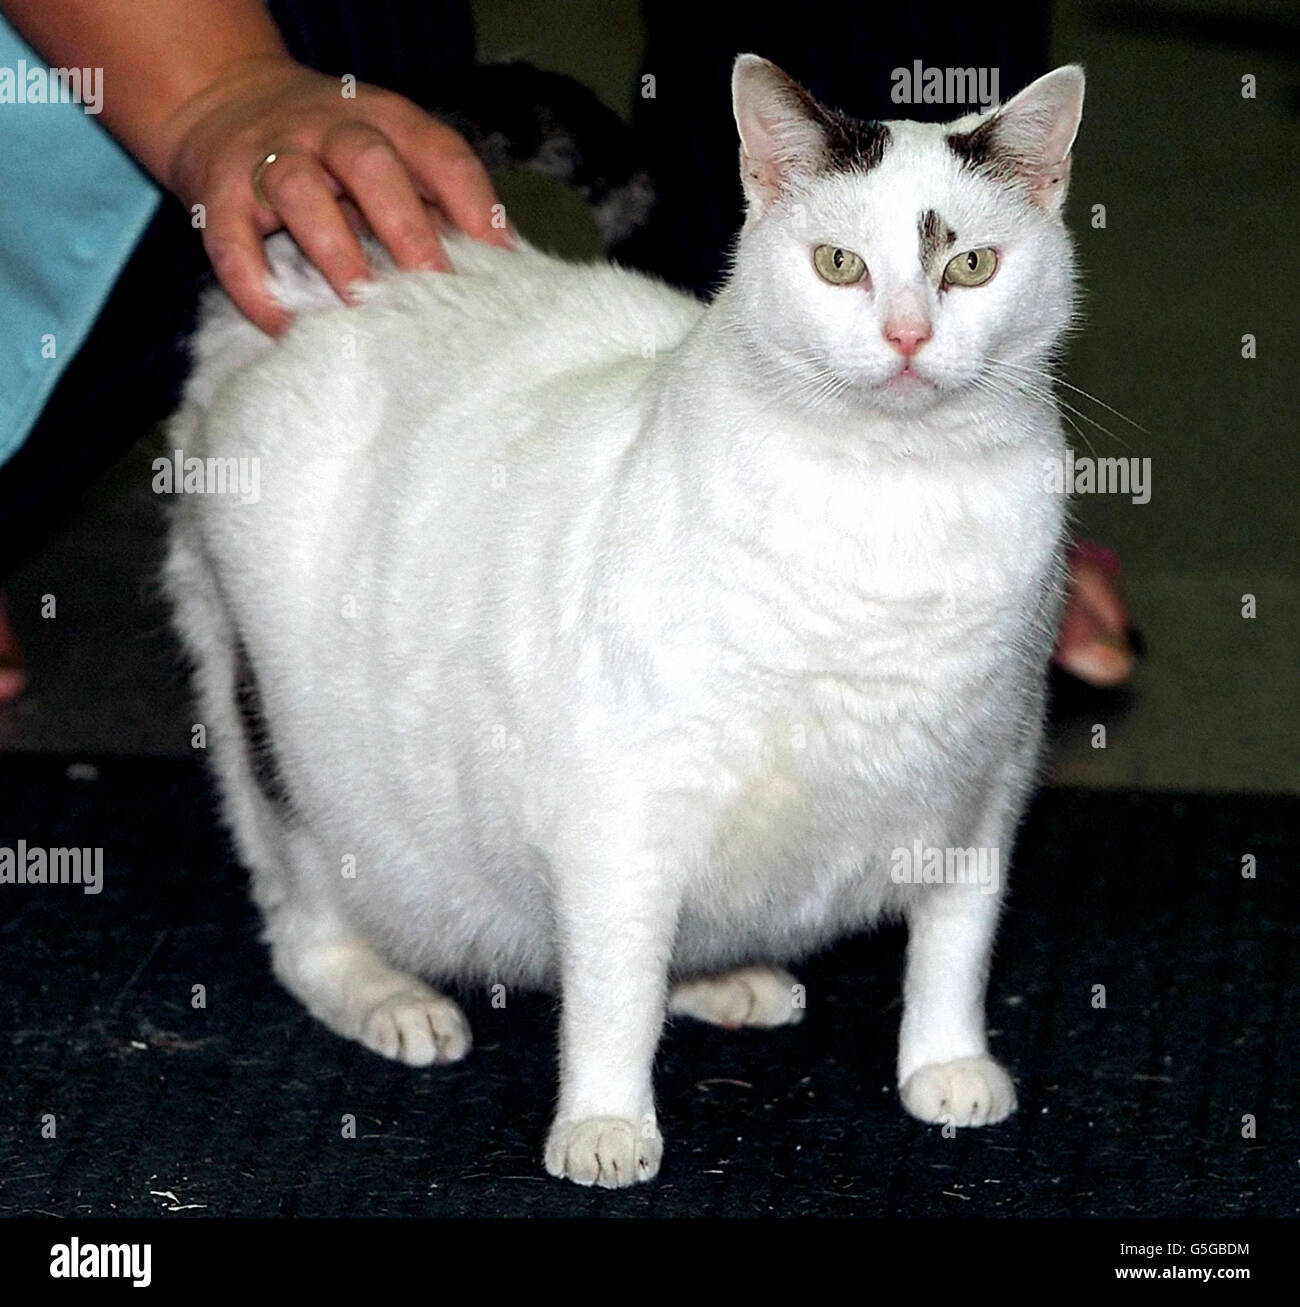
417, 1026
966, 1092
752, 996
604, 1150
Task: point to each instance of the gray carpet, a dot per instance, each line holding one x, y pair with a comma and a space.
1134, 1109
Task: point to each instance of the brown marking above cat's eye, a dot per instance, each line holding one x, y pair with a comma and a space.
936, 238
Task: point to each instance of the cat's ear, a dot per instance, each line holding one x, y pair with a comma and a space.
781, 129
1031, 136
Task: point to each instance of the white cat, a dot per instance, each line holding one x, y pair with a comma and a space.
585, 636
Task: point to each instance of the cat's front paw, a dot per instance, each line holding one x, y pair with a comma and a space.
605, 1150
968, 1091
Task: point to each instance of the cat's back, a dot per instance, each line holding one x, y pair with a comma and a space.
383, 434
506, 322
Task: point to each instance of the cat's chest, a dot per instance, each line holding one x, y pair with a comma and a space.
885, 655
915, 579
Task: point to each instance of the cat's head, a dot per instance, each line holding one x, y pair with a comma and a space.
898, 266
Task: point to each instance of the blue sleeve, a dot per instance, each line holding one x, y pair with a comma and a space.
73, 205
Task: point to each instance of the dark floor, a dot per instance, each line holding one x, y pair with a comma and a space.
1136, 1108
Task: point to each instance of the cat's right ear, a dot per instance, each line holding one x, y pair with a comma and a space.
780, 135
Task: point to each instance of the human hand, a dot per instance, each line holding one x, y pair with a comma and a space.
409, 176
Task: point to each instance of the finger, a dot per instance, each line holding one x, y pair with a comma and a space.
300, 191
451, 175
234, 245
365, 163
433, 215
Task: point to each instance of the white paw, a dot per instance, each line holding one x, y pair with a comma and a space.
968, 1091
417, 1026
605, 1150
752, 996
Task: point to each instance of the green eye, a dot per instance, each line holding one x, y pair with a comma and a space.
973, 268
839, 267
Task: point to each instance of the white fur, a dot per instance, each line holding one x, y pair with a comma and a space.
614, 651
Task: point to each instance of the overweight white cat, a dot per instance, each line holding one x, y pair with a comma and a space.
584, 636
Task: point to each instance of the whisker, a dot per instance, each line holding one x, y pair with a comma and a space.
1092, 422
1050, 377
1017, 385
1124, 417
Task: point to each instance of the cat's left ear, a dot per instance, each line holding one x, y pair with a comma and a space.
781, 129
1031, 136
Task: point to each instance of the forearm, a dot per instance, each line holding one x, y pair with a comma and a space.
158, 57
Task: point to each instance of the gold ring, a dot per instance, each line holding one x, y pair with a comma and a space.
261, 169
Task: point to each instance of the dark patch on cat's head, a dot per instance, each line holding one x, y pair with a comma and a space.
935, 237
981, 151
854, 145
985, 149
978, 147
849, 144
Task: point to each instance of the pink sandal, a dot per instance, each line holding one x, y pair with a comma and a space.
1093, 643
13, 679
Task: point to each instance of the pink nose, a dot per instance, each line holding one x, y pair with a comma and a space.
907, 337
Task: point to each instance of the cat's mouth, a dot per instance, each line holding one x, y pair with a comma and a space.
908, 378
